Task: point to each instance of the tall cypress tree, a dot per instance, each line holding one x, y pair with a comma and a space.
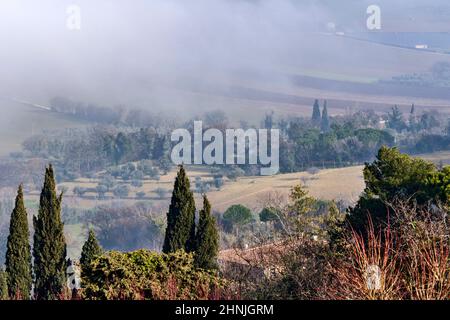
325, 125
49, 249
180, 231
316, 113
207, 239
90, 250
18, 252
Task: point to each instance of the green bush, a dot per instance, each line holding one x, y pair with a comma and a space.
269, 214
147, 275
238, 215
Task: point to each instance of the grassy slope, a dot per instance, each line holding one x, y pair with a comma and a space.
19, 122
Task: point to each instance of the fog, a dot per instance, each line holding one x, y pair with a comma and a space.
153, 53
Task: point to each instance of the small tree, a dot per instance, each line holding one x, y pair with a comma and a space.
180, 231
91, 249
121, 191
49, 247
237, 215
18, 254
140, 195
101, 190
137, 183
325, 123
316, 118
218, 182
395, 119
268, 214
207, 239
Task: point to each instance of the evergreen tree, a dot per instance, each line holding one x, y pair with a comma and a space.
18, 252
49, 249
180, 231
316, 118
90, 250
395, 119
325, 124
207, 239
3, 285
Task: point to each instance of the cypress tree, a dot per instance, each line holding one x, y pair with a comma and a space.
3, 285
325, 125
49, 249
18, 252
316, 113
180, 231
91, 249
207, 239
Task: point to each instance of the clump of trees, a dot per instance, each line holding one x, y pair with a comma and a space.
49, 248
182, 233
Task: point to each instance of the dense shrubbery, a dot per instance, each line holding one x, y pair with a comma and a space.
148, 275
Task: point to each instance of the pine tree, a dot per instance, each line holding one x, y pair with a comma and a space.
207, 239
325, 125
90, 250
3, 285
316, 113
18, 252
49, 249
180, 231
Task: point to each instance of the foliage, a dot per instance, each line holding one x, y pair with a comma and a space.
316, 117
180, 231
18, 254
91, 250
395, 176
146, 275
121, 191
325, 122
395, 119
237, 215
49, 249
268, 214
206, 239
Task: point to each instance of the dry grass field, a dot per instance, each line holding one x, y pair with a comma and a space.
442, 157
330, 184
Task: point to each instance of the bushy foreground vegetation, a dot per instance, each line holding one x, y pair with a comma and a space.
149, 275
